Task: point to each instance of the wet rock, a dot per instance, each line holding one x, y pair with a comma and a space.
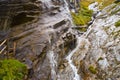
103, 64
36, 28
103, 53
17, 12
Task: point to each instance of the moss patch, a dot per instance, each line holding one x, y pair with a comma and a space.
81, 29
106, 3
83, 16
117, 24
92, 69
100, 59
114, 12
12, 70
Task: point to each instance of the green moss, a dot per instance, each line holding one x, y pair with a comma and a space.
12, 70
100, 59
117, 24
82, 29
92, 70
83, 16
114, 12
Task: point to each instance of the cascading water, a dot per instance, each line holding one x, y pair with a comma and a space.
66, 7
51, 55
76, 75
53, 64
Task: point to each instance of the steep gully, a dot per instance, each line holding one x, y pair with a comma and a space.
51, 53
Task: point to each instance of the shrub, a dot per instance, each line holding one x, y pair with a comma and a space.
12, 70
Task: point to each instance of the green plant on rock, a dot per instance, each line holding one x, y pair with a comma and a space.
92, 69
100, 59
83, 16
117, 24
12, 70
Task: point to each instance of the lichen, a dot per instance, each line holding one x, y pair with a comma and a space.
115, 34
114, 12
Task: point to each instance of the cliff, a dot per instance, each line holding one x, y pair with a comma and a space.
45, 38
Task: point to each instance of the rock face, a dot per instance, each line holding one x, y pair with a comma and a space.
52, 49
98, 56
39, 30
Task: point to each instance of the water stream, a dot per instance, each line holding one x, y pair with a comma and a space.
53, 64
51, 56
76, 75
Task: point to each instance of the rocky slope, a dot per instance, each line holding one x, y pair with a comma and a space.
98, 55
52, 49
38, 28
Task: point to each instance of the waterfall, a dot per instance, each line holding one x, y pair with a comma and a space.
51, 54
76, 75
66, 7
53, 64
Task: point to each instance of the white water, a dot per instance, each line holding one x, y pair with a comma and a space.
94, 7
53, 64
76, 76
66, 7
75, 70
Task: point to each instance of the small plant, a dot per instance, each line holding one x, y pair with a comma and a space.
117, 24
92, 70
83, 16
12, 70
100, 59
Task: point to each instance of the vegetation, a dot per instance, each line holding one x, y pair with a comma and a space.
117, 24
114, 12
92, 70
105, 3
100, 59
84, 14
12, 70
81, 29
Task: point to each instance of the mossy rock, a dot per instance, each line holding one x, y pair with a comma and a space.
117, 24
83, 16
12, 70
82, 29
92, 69
100, 59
